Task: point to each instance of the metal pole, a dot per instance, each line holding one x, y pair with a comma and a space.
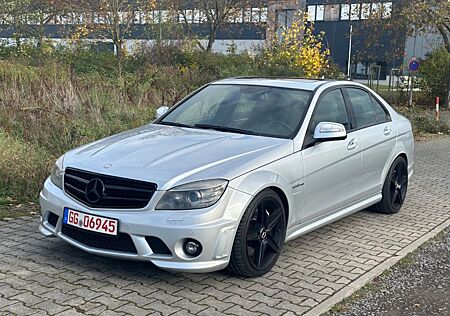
349, 67
160, 20
411, 75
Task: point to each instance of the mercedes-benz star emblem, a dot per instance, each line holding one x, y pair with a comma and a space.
95, 190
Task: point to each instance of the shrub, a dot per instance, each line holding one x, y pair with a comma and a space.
435, 73
423, 121
299, 52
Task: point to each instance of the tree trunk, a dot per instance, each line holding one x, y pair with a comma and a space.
119, 52
211, 40
17, 42
118, 44
212, 37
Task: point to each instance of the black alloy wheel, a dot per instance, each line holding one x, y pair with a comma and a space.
260, 236
394, 188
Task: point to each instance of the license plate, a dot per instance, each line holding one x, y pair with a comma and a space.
90, 222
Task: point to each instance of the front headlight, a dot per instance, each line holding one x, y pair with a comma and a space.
193, 195
57, 173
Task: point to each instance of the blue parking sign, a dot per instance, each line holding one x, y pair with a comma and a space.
414, 64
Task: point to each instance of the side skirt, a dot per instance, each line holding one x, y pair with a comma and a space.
302, 229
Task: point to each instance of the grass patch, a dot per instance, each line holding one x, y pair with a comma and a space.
344, 305
23, 168
423, 121
14, 211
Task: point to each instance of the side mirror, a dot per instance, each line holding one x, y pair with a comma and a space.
326, 131
161, 111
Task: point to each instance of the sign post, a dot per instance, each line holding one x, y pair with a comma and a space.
413, 66
437, 109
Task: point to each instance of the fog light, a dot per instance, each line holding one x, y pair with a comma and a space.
192, 247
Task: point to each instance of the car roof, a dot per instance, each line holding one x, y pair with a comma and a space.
292, 83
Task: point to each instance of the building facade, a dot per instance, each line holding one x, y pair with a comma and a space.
259, 24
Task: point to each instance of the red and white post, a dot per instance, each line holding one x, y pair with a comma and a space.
437, 108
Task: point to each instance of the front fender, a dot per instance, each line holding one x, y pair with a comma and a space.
255, 182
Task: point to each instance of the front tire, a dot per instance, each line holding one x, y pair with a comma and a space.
259, 237
394, 188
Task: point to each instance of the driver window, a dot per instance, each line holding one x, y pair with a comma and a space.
331, 108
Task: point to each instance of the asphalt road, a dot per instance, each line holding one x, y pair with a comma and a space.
419, 285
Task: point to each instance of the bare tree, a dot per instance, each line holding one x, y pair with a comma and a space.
41, 13
15, 12
408, 17
215, 13
113, 19
28, 19
429, 16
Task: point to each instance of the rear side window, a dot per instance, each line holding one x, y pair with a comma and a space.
366, 110
382, 115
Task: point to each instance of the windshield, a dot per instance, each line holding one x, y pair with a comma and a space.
246, 109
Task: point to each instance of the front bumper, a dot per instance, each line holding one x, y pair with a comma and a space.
214, 228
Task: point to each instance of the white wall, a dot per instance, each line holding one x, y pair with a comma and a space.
220, 46
425, 43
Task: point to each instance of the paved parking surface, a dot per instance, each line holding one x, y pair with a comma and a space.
39, 276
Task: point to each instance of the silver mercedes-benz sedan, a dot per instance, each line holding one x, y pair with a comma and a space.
226, 176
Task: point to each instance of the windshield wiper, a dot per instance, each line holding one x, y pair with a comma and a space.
225, 129
174, 124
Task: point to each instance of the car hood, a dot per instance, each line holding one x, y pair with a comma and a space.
170, 156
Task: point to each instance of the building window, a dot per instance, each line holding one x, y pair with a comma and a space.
320, 12
331, 12
376, 9
285, 18
355, 11
365, 11
311, 13
199, 16
256, 15
185, 16
99, 18
247, 15
345, 12
264, 15
387, 10
236, 16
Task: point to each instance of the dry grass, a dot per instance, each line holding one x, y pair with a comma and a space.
23, 168
48, 107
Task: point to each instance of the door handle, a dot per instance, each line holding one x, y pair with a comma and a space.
387, 130
352, 144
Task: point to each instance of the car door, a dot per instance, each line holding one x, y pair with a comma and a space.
331, 168
377, 137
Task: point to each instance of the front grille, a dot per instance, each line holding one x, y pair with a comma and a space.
119, 193
122, 242
158, 246
52, 219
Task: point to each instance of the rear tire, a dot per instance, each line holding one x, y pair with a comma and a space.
394, 188
259, 237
